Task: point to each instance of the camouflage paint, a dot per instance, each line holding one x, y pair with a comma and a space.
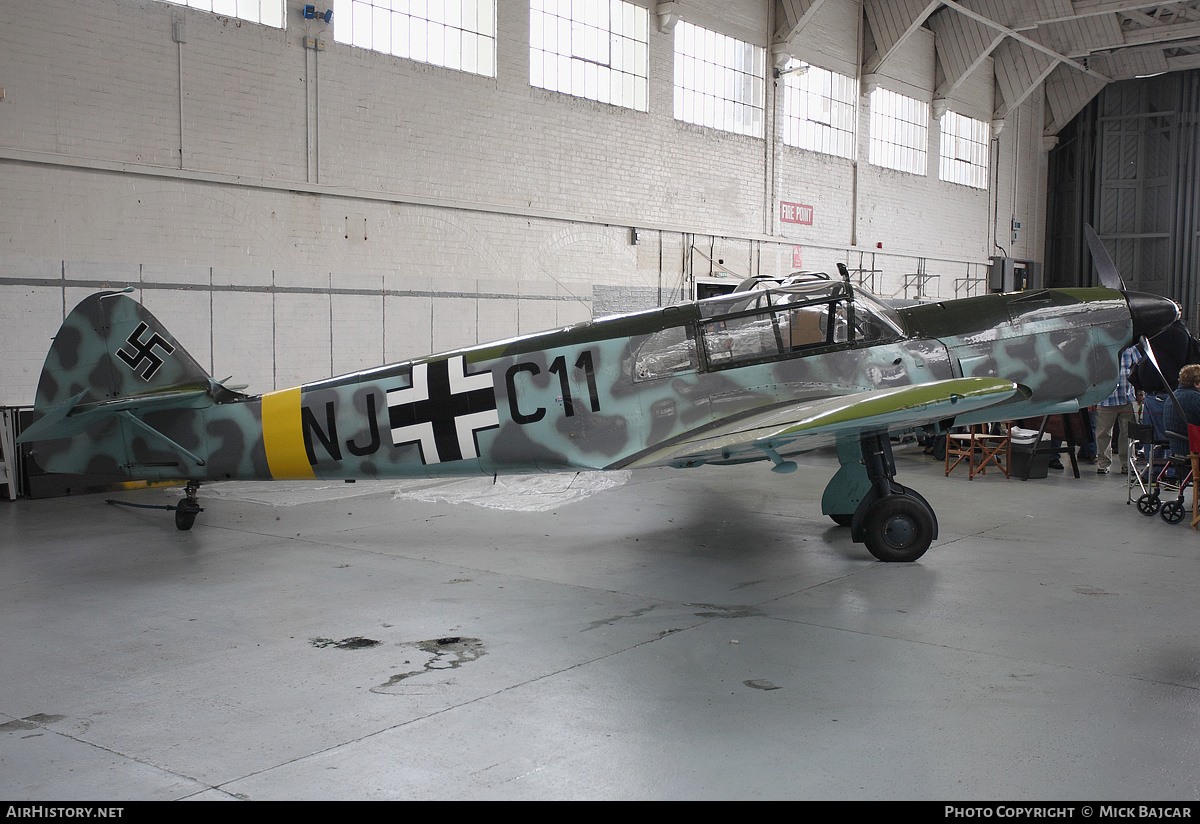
120, 396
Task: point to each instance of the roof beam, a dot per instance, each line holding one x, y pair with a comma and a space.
1161, 33
1116, 38
1019, 72
1067, 92
1020, 38
793, 16
1081, 8
963, 44
893, 22
1183, 62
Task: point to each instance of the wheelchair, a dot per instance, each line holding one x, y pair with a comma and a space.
1172, 476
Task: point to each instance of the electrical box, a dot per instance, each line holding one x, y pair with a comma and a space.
1014, 275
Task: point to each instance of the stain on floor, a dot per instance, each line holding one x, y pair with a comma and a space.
445, 654
355, 642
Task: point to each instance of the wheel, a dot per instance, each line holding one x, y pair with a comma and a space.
185, 514
1149, 504
842, 518
898, 528
1172, 512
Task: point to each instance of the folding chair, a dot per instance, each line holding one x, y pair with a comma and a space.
979, 448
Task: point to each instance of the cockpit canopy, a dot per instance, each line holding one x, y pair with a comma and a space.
769, 323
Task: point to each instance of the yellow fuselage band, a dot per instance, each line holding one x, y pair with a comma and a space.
283, 436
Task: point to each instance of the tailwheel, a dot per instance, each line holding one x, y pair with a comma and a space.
898, 528
185, 514
188, 507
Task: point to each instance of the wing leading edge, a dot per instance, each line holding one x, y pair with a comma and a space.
819, 422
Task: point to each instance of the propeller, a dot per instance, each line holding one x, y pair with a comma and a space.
1149, 351
1150, 313
1105, 268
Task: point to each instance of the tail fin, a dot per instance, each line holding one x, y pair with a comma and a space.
111, 347
111, 356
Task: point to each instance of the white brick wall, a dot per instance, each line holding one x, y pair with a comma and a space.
489, 208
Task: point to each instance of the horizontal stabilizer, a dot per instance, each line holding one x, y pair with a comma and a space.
71, 417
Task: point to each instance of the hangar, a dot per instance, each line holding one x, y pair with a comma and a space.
301, 191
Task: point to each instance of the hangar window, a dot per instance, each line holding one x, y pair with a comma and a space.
818, 109
899, 132
267, 12
456, 34
719, 81
598, 49
964, 155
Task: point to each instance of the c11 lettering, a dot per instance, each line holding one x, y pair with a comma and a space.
558, 367
589, 372
510, 382
583, 363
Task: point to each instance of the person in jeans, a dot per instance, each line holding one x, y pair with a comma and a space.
1116, 410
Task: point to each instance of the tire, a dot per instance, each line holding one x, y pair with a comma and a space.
1172, 512
1149, 504
185, 515
897, 529
841, 518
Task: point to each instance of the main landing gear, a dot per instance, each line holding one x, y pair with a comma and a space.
895, 523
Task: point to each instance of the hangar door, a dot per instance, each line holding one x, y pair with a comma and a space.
1127, 164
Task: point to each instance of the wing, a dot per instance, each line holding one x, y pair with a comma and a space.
813, 423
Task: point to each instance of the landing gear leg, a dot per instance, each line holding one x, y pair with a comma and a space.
188, 507
849, 486
894, 522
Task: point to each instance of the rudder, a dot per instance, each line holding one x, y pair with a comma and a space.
111, 367
111, 347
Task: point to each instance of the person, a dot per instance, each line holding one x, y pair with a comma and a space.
1116, 410
1173, 348
1087, 448
1188, 395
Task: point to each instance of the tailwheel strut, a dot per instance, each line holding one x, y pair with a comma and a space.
185, 511
188, 507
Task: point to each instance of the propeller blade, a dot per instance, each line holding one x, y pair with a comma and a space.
1105, 268
1153, 360
1167, 383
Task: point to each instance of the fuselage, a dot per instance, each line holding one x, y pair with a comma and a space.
601, 394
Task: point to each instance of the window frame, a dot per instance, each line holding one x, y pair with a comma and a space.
899, 137
835, 134
209, 6
971, 170
725, 96
622, 78
467, 39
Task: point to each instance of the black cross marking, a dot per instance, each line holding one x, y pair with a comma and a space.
144, 351
450, 419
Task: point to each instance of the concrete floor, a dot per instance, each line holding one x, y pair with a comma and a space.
683, 634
